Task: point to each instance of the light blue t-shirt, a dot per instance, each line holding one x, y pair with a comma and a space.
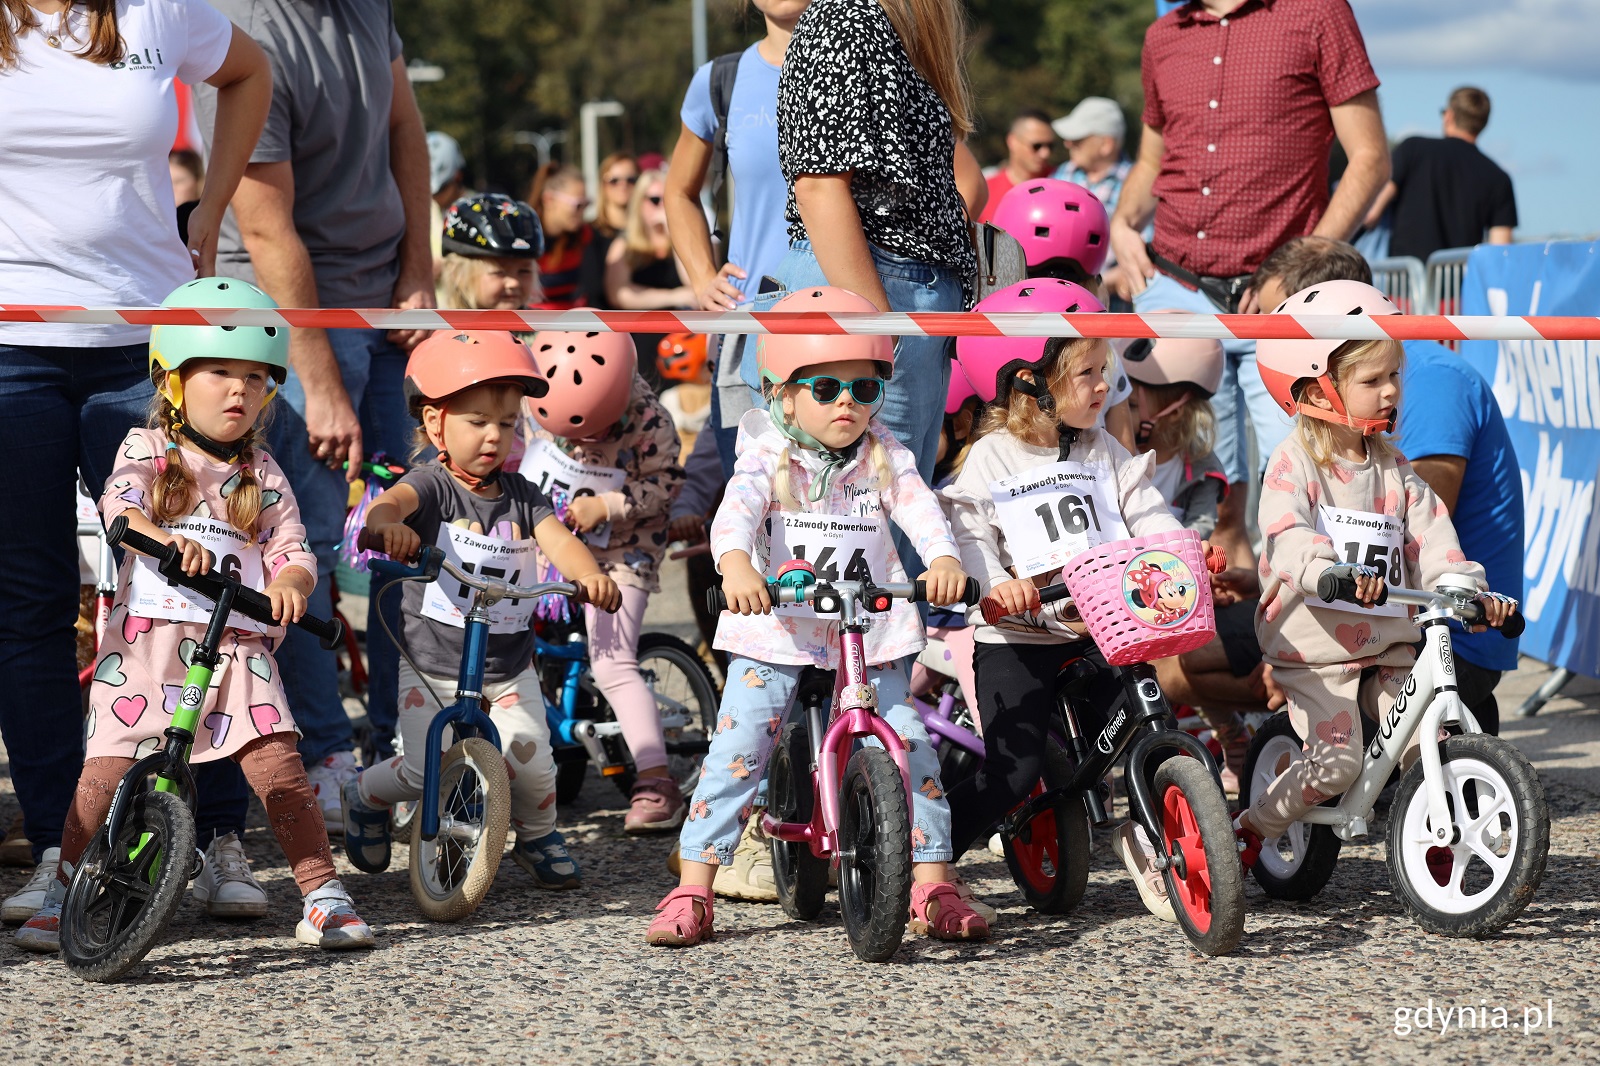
1447, 408
759, 239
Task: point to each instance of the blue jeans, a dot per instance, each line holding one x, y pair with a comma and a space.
62, 410
913, 405
374, 373
1242, 390
749, 722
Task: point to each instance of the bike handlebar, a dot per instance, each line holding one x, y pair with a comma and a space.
1339, 583
246, 601
875, 598
993, 610
431, 562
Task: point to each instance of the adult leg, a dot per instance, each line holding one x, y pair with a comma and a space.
1015, 684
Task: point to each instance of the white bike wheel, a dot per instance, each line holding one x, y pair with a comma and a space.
1298, 864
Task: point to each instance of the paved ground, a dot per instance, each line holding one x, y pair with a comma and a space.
540, 977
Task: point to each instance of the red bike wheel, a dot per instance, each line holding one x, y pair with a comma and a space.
1204, 879
1181, 834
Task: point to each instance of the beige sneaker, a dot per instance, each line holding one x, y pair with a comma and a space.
15, 850
749, 875
1136, 854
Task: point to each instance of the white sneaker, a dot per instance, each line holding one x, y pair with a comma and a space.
331, 921
27, 900
42, 932
225, 885
327, 780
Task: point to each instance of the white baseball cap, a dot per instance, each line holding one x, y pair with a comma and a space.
1094, 114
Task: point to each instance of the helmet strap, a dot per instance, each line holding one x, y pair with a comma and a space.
1066, 437
1369, 427
227, 453
833, 462
471, 481
1147, 426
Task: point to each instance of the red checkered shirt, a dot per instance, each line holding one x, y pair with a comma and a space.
1242, 105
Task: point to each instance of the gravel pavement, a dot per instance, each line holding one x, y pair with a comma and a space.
537, 976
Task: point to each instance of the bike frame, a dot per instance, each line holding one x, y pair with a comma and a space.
105, 592
854, 716
1427, 701
938, 720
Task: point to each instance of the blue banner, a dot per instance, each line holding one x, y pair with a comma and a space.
1549, 393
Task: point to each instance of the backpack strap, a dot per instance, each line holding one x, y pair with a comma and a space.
724, 69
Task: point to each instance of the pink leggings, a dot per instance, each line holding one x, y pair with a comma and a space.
614, 662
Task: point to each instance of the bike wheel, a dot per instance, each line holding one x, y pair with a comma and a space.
1049, 855
874, 854
1298, 864
1204, 879
684, 688
125, 891
451, 873
800, 877
1501, 839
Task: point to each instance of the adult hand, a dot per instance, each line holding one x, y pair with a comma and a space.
1234, 584
689, 528
205, 221
1250, 302
719, 293
411, 293
333, 432
1128, 245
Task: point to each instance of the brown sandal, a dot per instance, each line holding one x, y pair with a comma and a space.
677, 924
937, 910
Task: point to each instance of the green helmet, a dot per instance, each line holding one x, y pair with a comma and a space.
172, 346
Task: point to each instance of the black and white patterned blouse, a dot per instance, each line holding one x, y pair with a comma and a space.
849, 99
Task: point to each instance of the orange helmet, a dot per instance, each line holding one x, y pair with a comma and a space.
779, 356
681, 356
450, 361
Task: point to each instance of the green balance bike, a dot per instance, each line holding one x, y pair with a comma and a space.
132, 876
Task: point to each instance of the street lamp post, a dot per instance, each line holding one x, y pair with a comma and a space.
589, 116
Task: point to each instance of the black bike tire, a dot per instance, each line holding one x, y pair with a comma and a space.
1533, 840
464, 897
570, 774
1062, 891
666, 646
874, 871
1321, 852
1203, 794
800, 878
165, 814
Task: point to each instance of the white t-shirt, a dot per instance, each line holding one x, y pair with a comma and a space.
86, 211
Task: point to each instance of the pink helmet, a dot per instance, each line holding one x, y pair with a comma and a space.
1284, 362
1174, 361
780, 356
959, 392
990, 362
591, 381
1054, 219
452, 361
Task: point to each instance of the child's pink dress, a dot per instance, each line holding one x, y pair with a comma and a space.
142, 661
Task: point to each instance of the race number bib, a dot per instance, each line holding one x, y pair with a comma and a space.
838, 549
447, 600
550, 468
1051, 514
234, 553
1366, 539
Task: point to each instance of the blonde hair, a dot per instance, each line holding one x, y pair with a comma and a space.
877, 455
641, 250
458, 280
176, 492
419, 436
1190, 430
934, 35
1021, 416
1317, 435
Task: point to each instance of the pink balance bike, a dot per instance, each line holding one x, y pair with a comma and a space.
832, 799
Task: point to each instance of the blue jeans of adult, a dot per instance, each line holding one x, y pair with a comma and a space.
374, 374
1242, 394
62, 410
913, 404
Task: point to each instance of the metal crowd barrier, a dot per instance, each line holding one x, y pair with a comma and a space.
1432, 288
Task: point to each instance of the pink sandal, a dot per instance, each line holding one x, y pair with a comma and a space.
677, 925
937, 910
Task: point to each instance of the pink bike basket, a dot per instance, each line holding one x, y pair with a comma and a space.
1144, 598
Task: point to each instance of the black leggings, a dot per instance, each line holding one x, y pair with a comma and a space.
1016, 700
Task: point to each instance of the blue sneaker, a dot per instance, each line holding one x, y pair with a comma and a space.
548, 861
366, 830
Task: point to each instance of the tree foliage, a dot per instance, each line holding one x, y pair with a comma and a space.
514, 65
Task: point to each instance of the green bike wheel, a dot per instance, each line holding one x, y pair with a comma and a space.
125, 891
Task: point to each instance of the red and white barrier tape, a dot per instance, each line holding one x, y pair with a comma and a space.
930, 324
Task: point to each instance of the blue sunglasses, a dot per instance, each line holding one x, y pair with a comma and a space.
824, 389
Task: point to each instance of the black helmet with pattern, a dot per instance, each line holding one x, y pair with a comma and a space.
492, 226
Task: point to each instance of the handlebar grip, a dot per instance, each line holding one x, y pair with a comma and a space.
1054, 593
1339, 583
248, 602
1514, 626
716, 602
970, 595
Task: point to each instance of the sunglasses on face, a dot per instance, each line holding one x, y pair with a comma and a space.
655, 201
623, 179
824, 389
1043, 146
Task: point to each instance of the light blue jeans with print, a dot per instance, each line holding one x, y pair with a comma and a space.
755, 703
1242, 394
374, 376
913, 404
